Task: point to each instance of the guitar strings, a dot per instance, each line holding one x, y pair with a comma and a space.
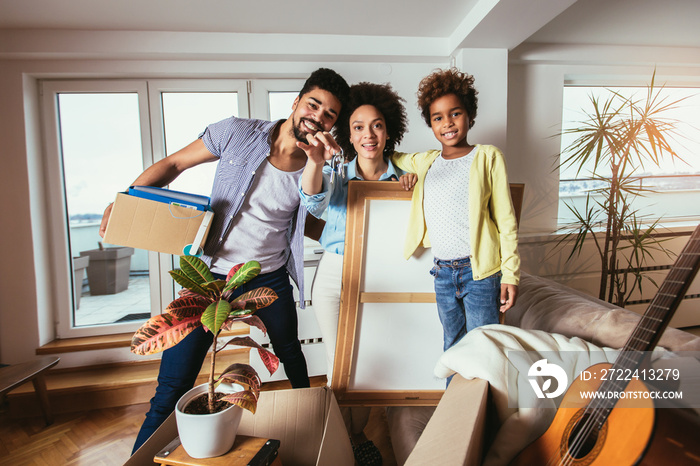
595, 413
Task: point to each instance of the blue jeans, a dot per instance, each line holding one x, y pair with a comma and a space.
464, 303
180, 365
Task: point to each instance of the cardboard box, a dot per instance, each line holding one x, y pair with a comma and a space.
456, 432
306, 421
156, 226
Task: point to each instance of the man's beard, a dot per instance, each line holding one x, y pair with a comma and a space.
300, 134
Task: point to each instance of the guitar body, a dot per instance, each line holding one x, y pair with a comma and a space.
622, 439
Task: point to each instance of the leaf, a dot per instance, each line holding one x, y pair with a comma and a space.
241, 374
228, 325
255, 299
185, 293
252, 320
243, 275
185, 281
162, 332
272, 362
196, 269
245, 399
268, 358
216, 287
233, 270
188, 306
215, 315
237, 314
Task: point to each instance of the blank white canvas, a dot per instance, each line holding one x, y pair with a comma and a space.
397, 347
386, 270
397, 344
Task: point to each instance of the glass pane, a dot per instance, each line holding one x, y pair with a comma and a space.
664, 184
101, 149
684, 116
281, 104
186, 115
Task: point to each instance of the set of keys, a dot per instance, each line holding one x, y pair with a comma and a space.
337, 165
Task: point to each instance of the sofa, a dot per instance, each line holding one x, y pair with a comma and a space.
475, 423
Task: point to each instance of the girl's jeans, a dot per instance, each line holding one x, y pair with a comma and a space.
180, 364
464, 303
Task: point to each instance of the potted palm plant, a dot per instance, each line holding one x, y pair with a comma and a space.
207, 301
616, 138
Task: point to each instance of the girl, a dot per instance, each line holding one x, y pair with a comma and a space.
461, 207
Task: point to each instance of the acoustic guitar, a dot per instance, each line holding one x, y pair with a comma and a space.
622, 425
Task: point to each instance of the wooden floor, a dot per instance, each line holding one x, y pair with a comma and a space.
98, 438
105, 437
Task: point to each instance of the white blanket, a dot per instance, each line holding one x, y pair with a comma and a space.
503, 355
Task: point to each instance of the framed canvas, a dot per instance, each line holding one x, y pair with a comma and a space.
389, 333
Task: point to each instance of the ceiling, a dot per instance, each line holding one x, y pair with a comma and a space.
471, 23
357, 17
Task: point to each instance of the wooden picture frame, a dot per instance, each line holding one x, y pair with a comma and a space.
388, 321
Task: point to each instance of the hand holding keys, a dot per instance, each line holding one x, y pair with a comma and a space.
337, 165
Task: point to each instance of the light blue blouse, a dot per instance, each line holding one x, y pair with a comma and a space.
333, 236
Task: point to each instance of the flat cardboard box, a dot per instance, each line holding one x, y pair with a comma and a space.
155, 226
306, 421
455, 434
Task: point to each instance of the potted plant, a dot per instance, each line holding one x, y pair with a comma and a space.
207, 301
618, 137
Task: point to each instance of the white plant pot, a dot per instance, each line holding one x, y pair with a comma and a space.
206, 435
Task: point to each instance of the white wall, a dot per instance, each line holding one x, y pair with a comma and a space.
490, 70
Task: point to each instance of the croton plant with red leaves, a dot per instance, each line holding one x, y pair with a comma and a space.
206, 301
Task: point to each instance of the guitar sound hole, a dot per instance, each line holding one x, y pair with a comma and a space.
583, 438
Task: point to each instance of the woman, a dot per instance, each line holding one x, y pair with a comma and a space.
376, 124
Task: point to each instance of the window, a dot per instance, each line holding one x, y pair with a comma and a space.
674, 187
100, 135
100, 130
186, 108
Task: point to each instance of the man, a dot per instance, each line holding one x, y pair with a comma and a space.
257, 216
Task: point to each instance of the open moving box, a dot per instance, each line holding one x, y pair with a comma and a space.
306, 421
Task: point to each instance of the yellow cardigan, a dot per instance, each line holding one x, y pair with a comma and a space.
492, 224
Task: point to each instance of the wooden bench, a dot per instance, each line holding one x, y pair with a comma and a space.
15, 375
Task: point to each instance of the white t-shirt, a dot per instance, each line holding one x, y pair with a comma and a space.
260, 227
446, 206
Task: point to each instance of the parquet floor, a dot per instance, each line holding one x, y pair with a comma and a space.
98, 438
105, 437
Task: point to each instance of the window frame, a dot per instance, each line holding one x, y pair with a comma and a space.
153, 149
60, 262
259, 94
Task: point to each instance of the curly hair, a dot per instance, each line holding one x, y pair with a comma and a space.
387, 102
328, 80
444, 82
